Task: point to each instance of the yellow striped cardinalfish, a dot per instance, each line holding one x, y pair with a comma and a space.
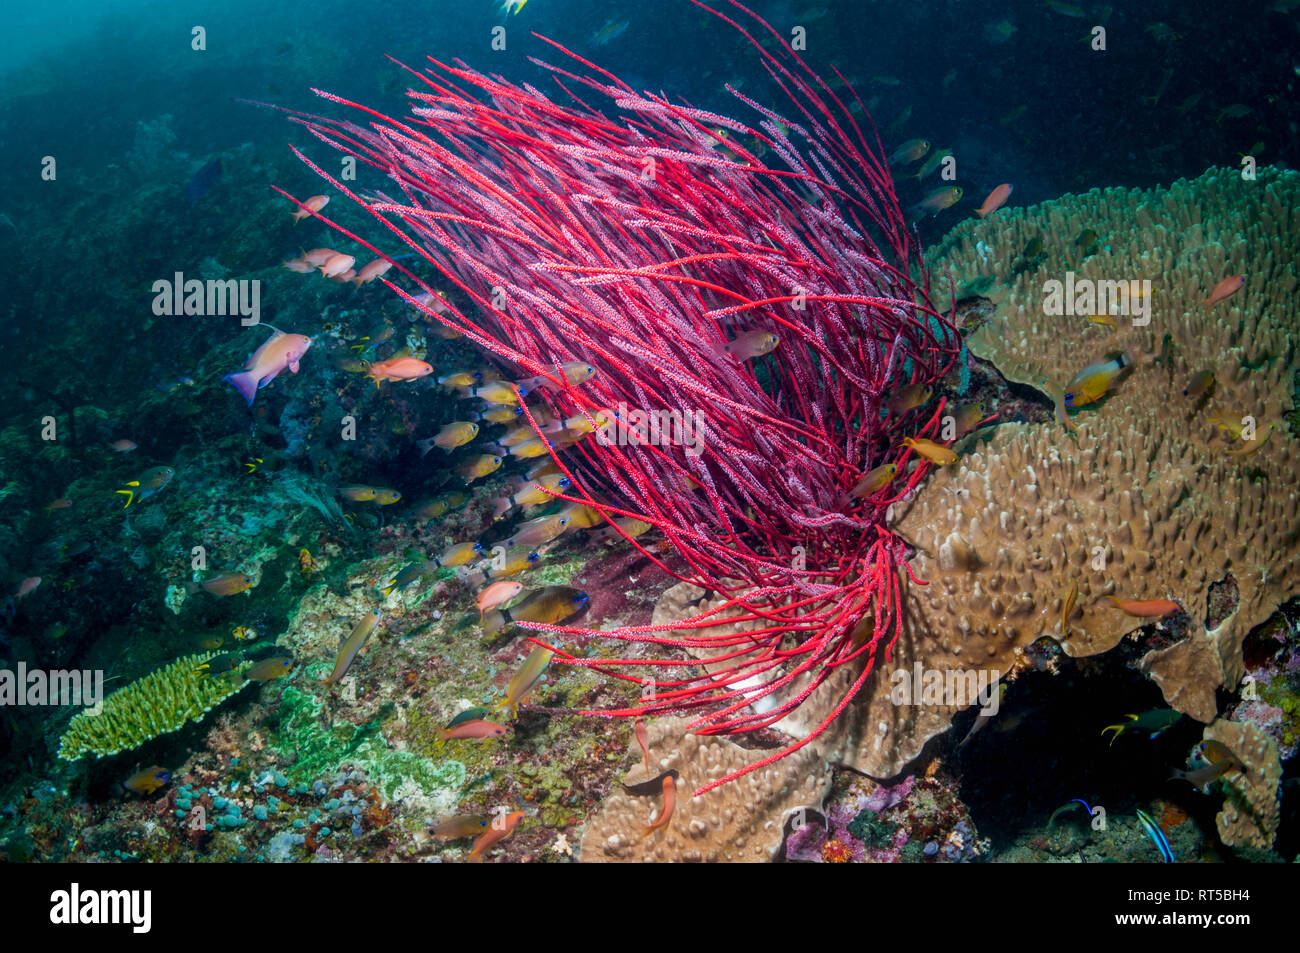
452, 435
573, 372
874, 481
501, 415
478, 467
935, 453
1091, 383
222, 584
353, 644
752, 344
147, 781
271, 667
528, 493
541, 530
458, 554
581, 516
631, 527
524, 680
516, 561
460, 379
495, 393
460, 825
405, 577
553, 605
444, 504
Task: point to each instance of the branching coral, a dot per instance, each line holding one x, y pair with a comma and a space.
157, 704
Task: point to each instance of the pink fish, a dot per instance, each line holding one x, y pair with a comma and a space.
994, 200
280, 351
1225, 289
27, 586
473, 729
310, 207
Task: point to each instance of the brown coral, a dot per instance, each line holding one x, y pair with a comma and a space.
1146, 484
1252, 807
741, 821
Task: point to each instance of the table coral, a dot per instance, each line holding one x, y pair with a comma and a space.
157, 704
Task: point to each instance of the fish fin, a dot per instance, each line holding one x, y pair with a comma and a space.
246, 383
129, 497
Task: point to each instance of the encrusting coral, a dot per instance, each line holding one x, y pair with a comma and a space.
742, 821
1148, 499
157, 704
1252, 806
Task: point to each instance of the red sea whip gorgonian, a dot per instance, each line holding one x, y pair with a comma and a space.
640, 239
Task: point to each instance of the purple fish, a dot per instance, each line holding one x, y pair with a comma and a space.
280, 351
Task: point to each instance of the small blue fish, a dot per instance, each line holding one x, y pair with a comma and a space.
204, 181
1157, 835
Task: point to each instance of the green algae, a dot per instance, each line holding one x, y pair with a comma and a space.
321, 748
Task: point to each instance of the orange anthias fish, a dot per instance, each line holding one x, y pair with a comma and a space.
665, 785
475, 730
223, 584
995, 200
639, 728
278, 352
371, 271
147, 781
337, 264
122, 446
498, 830
497, 594
1146, 608
398, 369
310, 207
1225, 289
